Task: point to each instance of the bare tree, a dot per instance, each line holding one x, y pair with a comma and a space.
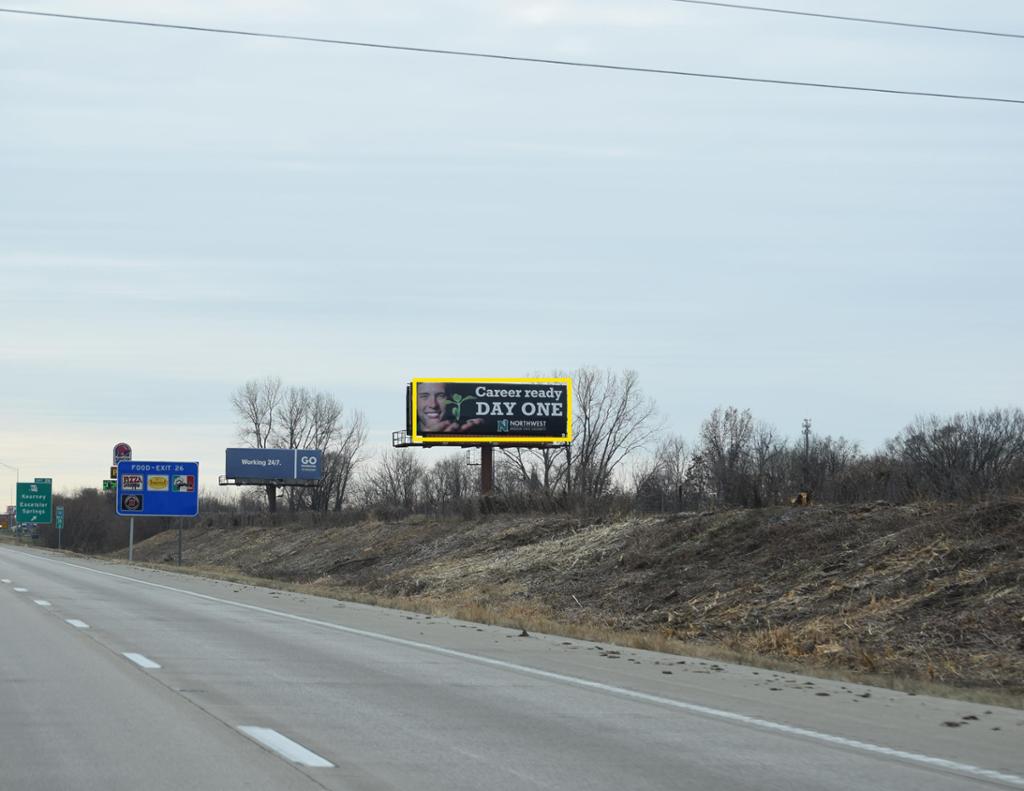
830, 468
673, 460
310, 419
723, 454
340, 463
256, 403
662, 481
612, 418
962, 457
391, 482
648, 485
294, 418
446, 483
532, 471
768, 473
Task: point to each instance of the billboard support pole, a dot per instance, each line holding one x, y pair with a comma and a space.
180, 521
486, 470
131, 538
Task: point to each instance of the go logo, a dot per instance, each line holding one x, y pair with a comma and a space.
308, 460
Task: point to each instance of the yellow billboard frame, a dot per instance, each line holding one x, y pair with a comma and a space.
469, 439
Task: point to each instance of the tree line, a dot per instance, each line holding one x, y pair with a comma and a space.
621, 452
621, 456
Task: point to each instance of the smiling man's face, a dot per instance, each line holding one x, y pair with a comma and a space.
431, 400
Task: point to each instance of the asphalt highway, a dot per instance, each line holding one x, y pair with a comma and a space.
121, 677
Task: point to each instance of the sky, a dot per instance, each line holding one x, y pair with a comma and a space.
182, 212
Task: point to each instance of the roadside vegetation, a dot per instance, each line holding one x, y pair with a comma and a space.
906, 565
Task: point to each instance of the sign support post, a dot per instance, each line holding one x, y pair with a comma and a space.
486, 470
179, 540
131, 538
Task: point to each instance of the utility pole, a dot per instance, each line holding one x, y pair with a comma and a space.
807, 455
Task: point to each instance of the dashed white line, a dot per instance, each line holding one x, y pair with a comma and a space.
76, 623
42, 602
21, 590
6, 582
141, 661
285, 747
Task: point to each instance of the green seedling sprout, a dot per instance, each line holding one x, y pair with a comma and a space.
456, 404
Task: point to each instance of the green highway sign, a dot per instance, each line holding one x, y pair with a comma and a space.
35, 503
109, 486
60, 517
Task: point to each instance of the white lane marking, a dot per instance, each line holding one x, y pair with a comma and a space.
6, 582
76, 623
141, 661
285, 747
42, 602
721, 714
21, 590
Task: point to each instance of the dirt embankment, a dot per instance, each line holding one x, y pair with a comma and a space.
929, 591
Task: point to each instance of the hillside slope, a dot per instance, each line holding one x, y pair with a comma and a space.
929, 591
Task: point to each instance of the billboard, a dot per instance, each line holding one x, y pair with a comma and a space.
499, 411
273, 464
157, 488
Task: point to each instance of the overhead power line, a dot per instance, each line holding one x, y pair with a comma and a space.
514, 58
867, 20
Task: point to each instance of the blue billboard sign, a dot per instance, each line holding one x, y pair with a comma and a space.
273, 464
157, 488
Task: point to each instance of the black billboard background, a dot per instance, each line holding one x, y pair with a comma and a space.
523, 411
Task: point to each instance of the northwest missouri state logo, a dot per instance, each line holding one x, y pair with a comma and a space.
503, 427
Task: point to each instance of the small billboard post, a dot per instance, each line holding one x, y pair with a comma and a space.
531, 412
155, 488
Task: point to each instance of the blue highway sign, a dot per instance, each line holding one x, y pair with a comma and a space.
157, 488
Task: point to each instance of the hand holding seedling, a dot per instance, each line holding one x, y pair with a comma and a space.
455, 404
